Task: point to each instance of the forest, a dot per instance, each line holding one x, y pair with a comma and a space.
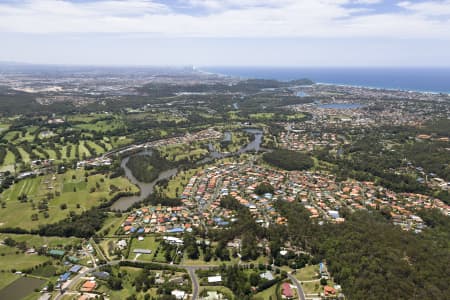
146, 168
373, 259
289, 160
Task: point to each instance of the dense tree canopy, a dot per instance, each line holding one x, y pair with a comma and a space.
289, 160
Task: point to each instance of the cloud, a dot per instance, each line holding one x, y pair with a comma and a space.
229, 18
428, 8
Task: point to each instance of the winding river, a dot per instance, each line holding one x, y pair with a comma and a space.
147, 188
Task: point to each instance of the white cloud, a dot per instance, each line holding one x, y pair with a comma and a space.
428, 8
228, 18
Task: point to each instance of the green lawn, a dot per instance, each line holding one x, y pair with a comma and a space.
25, 155
84, 152
312, 287
75, 193
149, 242
307, 273
262, 116
111, 224
37, 241
97, 148
267, 293
11, 258
9, 158
6, 278
221, 289
128, 289
179, 182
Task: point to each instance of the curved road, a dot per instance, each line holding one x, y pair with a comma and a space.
301, 293
190, 269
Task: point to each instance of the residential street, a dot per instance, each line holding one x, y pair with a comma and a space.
301, 294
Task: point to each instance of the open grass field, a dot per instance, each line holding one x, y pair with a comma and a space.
38, 241
11, 258
69, 189
7, 278
128, 289
267, 294
97, 148
111, 225
11, 136
102, 126
307, 273
24, 154
149, 242
9, 158
262, 116
312, 288
176, 184
220, 289
84, 152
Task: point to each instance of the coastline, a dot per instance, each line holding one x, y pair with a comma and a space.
235, 70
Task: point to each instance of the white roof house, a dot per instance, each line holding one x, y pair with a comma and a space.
214, 279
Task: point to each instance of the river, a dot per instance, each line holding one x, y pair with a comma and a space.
147, 188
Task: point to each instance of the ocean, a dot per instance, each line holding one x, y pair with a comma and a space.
436, 80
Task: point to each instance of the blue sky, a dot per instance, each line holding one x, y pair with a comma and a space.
227, 32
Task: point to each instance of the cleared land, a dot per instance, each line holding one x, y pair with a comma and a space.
70, 190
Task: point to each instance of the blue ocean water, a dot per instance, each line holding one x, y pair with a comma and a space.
411, 79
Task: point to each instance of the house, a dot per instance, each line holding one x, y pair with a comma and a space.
75, 269
122, 244
286, 291
88, 286
329, 291
215, 279
55, 252
101, 275
64, 277
179, 294
142, 251
267, 275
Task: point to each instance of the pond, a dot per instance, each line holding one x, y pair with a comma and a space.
21, 288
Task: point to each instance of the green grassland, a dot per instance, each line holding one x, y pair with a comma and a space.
127, 284
102, 126
38, 241
12, 258
149, 242
156, 116
179, 152
262, 116
220, 289
25, 155
176, 185
77, 194
267, 294
111, 225
9, 158
312, 288
6, 278
307, 273
84, 152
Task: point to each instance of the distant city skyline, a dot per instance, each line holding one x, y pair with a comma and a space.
309, 33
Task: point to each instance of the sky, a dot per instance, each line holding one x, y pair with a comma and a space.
294, 33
